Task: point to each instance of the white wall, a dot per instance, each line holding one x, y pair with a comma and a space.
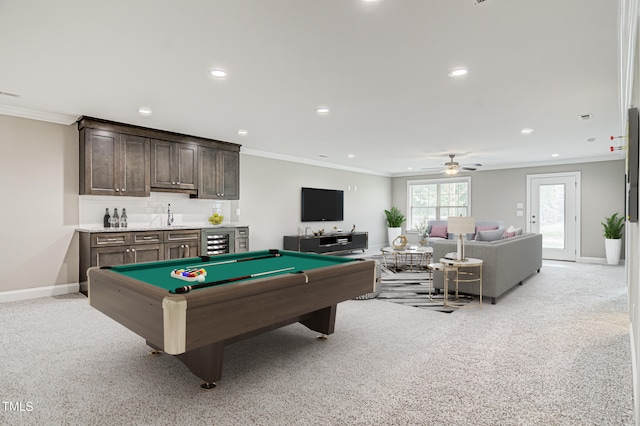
270, 199
39, 212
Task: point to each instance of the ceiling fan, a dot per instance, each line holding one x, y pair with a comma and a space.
452, 167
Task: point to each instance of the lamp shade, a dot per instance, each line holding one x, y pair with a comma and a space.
461, 225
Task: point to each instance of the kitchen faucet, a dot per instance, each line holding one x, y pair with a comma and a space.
169, 215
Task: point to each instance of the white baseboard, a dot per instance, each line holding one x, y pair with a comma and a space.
33, 293
597, 260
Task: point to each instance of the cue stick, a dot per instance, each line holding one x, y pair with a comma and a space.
187, 288
272, 253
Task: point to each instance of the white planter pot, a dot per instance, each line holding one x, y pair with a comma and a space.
612, 250
393, 233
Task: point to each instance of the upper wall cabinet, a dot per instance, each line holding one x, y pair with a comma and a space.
174, 165
121, 159
113, 163
219, 174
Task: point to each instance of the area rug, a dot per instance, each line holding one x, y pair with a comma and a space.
415, 288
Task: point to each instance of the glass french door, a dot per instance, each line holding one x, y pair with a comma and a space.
552, 212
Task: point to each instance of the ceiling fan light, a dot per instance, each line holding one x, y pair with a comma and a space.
451, 171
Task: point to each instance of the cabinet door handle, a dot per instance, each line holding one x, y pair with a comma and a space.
123, 189
117, 189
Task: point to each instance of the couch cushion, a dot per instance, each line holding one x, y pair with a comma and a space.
493, 235
438, 231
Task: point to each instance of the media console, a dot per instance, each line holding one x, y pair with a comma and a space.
327, 243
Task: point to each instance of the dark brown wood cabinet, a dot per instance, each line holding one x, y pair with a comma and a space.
174, 165
219, 173
121, 159
113, 163
181, 244
118, 248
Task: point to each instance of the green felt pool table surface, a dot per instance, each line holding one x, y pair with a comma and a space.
159, 273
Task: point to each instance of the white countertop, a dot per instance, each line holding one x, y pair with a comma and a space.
141, 227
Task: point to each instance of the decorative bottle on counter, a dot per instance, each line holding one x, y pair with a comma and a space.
115, 219
107, 218
123, 218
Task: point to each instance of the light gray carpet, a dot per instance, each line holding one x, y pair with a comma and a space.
554, 351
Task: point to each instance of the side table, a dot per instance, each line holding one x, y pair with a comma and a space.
462, 274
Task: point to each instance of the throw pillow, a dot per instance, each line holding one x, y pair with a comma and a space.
485, 228
493, 235
482, 228
438, 231
518, 231
510, 232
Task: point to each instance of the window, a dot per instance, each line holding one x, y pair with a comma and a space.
437, 199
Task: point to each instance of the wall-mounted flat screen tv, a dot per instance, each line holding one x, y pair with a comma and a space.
632, 164
322, 205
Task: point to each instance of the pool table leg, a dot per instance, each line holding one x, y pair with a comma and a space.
323, 320
205, 362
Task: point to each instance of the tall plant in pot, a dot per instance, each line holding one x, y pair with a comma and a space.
395, 219
612, 238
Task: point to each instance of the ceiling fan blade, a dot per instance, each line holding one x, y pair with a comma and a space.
471, 169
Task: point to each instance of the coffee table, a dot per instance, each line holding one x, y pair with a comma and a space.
406, 256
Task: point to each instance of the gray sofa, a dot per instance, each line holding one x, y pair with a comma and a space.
507, 262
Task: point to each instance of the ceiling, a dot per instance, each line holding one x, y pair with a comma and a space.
380, 67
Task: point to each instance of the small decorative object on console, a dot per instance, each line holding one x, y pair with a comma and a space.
400, 242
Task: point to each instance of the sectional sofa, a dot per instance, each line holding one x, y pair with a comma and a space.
507, 262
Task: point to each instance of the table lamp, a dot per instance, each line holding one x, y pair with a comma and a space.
461, 226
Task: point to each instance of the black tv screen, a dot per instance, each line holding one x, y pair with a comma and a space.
322, 205
632, 164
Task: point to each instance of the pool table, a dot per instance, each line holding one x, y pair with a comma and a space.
254, 292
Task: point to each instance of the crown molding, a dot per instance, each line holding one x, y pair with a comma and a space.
38, 115
291, 158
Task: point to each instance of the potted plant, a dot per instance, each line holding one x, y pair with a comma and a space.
395, 219
422, 233
613, 233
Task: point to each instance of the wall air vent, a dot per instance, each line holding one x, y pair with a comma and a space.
480, 1
585, 117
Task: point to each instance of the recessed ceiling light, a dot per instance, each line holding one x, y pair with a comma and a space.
145, 111
218, 73
322, 110
591, 140
351, 156
458, 72
323, 155
526, 131
243, 132
371, 1
555, 155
